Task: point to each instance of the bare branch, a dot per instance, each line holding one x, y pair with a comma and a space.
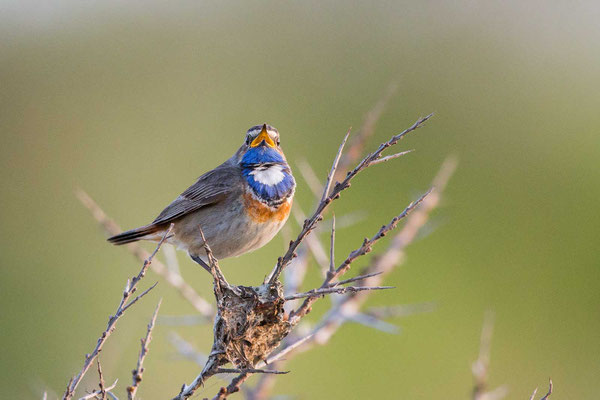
112, 395
481, 365
101, 380
346, 308
332, 247
339, 290
145, 343
549, 391
391, 157
249, 371
98, 392
288, 349
233, 387
532, 397
171, 277
310, 223
350, 280
215, 271
130, 289
365, 248
533, 394
334, 166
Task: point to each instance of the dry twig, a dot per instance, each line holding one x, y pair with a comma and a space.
327, 197
145, 344
547, 394
351, 300
347, 307
101, 380
97, 393
130, 289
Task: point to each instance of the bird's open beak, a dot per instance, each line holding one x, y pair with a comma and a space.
263, 136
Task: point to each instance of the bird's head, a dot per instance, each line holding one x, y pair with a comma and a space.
262, 146
264, 166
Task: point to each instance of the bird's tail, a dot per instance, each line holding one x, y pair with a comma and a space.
143, 232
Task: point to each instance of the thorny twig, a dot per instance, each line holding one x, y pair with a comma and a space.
365, 248
130, 289
351, 300
145, 344
101, 380
97, 393
339, 290
349, 304
327, 197
547, 394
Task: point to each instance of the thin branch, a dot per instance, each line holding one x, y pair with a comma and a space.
213, 264
391, 157
373, 275
334, 166
145, 344
172, 278
332, 247
481, 365
112, 395
130, 289
339, 290
233, 387
249, 371
350, 280
392, 257
288, 349
365, 248
98, 392
532, 397
310, 223
101, 380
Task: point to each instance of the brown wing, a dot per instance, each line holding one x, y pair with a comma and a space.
210, 188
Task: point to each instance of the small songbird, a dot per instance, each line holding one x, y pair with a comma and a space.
240, 205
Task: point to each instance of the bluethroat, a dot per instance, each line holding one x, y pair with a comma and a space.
240, 205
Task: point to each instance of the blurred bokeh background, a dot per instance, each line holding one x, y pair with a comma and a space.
131, 101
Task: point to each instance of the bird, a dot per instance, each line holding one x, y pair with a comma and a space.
239, 206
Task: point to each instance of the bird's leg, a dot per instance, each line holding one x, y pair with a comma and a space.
201, 263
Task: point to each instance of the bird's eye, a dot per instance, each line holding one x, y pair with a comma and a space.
248, 139
278, 142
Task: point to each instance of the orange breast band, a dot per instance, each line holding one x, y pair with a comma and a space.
262, 213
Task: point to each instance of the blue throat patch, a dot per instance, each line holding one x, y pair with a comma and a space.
261, 158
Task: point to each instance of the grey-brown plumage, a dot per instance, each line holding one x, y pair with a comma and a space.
209, 189
226, 203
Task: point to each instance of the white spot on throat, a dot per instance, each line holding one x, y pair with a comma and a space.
269, 176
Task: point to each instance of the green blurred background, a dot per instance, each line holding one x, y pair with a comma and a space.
132, 101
